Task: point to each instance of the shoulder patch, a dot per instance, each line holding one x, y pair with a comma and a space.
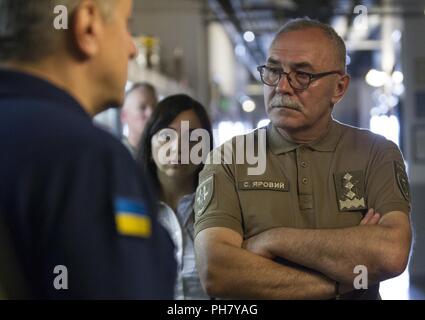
204, 194
131, 218
350, 190
402, 180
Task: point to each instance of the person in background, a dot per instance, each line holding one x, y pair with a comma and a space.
80, 220
139, 103
175, 183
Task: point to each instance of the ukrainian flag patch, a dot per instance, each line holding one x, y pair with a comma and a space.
132, 219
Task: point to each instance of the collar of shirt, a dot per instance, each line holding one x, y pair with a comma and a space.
15, 84
279, 144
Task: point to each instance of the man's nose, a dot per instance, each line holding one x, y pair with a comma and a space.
283, 86
134, 51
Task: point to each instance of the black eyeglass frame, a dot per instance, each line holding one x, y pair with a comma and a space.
312, 76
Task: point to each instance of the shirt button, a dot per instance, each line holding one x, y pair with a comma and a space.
304, 180
304, 164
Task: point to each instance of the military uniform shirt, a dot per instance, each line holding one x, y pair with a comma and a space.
329, 183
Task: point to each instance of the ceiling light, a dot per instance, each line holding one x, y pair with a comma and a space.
248, 106
249, 36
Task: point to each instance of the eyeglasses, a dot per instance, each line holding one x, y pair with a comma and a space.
298, 80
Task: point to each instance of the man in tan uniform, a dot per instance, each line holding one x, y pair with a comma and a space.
309, 209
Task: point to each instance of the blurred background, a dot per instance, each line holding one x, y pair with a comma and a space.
210, 49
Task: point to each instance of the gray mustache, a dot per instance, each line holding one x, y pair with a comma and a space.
284, 101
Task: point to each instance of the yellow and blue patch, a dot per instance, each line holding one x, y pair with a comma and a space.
132, 219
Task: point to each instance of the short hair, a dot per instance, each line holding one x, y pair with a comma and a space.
328, 31
165, 113
26, 27
143, 86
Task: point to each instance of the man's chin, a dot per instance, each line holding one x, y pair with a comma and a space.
113, 103
286, 123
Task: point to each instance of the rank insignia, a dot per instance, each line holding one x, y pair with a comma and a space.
402, 180
204, 195
350, 191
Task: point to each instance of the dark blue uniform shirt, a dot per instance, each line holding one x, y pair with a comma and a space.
71, 196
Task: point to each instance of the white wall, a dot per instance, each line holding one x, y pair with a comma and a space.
178, 24
222, 62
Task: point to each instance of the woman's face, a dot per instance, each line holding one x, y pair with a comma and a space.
170, 155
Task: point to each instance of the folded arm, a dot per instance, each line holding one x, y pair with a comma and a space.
229, 271
383, 248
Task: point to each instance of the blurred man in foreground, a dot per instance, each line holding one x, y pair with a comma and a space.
70, 195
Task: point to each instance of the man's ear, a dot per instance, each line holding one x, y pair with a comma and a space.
340, 88
87, 28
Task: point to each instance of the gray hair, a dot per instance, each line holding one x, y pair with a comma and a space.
26, 27
307, 23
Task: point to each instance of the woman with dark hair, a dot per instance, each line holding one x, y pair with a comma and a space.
168, 158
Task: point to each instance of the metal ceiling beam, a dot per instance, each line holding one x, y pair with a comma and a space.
226, 14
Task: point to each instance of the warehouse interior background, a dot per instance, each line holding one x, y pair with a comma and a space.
210, 49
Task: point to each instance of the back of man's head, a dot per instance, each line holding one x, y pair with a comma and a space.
87, 55
23, 25
27, 31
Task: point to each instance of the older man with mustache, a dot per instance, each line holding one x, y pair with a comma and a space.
342, 201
